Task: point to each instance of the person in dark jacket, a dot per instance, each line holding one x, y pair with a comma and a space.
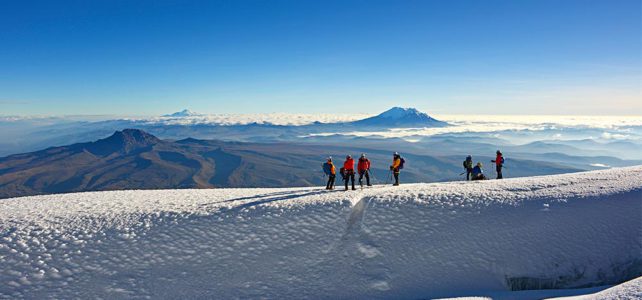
499, 163
468, 165
331, 171
363, 167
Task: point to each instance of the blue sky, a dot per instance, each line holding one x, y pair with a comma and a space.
444, 57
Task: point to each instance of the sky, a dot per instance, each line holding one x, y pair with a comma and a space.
442, 57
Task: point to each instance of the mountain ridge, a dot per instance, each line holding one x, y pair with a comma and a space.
134, 159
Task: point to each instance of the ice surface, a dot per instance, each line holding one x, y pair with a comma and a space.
408, 242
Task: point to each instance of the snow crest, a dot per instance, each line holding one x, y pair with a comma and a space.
412, 241
629, 290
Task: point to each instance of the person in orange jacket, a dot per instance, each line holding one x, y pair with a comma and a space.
363, 167
348, 169
397, 164
499, 163
331, 171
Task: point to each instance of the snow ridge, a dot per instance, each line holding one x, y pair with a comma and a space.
413, 241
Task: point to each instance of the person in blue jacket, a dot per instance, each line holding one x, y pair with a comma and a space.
478, 172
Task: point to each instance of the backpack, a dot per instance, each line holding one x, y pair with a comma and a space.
401, 163
327, 169
468, 164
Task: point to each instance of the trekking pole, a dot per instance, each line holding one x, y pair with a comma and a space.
462, 173
374, 178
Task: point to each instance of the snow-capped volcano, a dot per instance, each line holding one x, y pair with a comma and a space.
401, 117
182, 113
400, 112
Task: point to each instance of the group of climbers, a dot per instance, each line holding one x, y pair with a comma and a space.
477, 173
473, 171
363, 169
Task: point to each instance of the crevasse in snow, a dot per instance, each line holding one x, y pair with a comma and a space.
412, 241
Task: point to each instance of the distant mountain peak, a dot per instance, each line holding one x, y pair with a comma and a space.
124, 141
182, 113
136, 136
401, 112
401, 117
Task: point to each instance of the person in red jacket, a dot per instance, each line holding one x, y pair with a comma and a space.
363, 167
499, 163
348, 169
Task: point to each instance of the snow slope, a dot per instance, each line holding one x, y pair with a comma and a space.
407, 242
629, 290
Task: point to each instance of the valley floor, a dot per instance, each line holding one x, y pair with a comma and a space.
409, 242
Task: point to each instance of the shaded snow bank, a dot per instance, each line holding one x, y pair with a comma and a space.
413, 241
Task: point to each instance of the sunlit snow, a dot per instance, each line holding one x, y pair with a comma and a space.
413, 241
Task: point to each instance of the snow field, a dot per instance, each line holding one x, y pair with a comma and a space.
407, 242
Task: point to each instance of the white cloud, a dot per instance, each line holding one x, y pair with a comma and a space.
496, 123
241, 119
600, 165
614, 136
615, 127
